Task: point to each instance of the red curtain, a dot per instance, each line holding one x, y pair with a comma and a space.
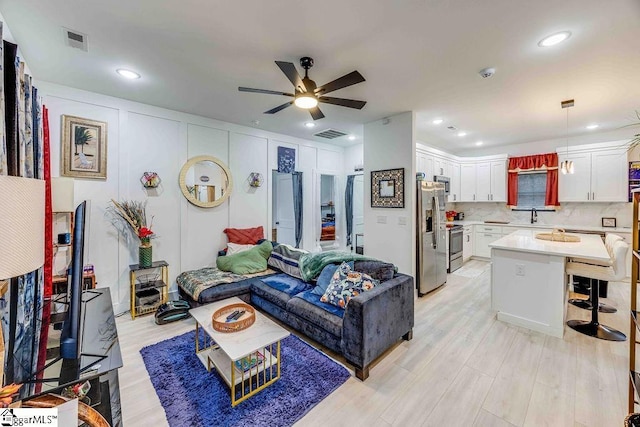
548, 162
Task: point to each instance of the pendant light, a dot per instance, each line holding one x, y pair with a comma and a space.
566, 167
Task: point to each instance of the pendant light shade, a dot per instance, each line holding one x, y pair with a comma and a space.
566, 167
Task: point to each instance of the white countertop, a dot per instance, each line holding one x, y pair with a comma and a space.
547, 226
590, 245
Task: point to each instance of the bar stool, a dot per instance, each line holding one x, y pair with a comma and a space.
586, 303
595, 273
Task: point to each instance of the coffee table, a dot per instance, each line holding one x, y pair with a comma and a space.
222, 349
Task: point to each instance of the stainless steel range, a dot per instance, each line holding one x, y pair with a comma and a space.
455, 248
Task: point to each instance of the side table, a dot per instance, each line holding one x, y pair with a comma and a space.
148, 290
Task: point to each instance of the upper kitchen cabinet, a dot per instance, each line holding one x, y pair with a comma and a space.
454, 184
484, 181
424, 164
600, 174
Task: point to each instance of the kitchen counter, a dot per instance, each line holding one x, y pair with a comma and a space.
528, 279
590, 246
547, 226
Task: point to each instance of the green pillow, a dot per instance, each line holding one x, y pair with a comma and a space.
253, 260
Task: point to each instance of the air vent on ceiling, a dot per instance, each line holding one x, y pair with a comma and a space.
330, 134
75, 39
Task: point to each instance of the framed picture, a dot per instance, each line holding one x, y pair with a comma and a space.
286, 160
609, 222
387, 188
84, 148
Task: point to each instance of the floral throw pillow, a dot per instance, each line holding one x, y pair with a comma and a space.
346, 284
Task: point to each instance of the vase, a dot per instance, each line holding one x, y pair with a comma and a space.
145, 255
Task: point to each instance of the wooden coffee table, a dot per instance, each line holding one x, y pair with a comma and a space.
222, 350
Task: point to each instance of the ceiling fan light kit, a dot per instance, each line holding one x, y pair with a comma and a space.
306, 94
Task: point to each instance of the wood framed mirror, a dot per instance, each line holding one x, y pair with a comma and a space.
205, 181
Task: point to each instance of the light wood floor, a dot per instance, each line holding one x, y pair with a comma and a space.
462, 368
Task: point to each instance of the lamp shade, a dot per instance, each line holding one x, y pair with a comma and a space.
21, 225
62, 195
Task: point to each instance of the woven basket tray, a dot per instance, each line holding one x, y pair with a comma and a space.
219, 318
558, 235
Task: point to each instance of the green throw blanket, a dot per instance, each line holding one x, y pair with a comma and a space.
311, 264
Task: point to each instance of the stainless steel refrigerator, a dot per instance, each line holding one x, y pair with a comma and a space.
431, 250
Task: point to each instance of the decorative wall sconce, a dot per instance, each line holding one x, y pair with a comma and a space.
255, 179
150, 180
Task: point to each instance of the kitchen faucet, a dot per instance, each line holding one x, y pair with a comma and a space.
534, 215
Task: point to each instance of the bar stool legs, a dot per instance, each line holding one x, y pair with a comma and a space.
593, 328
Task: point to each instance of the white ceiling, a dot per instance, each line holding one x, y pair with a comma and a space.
420, 55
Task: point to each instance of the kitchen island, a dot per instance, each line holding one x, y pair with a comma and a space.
528, 279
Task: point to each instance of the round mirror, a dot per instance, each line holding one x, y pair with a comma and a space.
205, 181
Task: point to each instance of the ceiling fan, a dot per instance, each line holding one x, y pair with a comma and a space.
306, 94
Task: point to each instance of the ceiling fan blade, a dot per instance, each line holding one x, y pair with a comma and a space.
316, 113
268, 92
351, 103
352, 78
290, 71
279, 107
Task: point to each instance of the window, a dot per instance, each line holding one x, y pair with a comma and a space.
532, 188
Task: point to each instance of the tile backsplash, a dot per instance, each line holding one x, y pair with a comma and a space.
585, 214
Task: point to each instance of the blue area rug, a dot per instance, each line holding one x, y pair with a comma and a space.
191, 396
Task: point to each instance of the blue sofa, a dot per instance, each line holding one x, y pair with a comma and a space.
371, 323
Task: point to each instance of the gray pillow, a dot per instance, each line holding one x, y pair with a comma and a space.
378, 270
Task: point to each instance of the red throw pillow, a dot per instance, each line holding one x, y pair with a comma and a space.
244, 236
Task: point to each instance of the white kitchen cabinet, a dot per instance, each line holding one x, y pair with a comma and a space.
575, 187
454, 184
499, 181
467, 243
600, 176
483, 182
439, 165
482, 241
609, 171
468, 182
421, 163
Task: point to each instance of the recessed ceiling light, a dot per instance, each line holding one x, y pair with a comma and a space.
128, 74
310, 124
351, 137
437, 121
554, 39
462, 134
479, 143
593, 126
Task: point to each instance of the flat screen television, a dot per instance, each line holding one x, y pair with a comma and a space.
71, 328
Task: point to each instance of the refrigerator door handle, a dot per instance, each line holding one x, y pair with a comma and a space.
437, 215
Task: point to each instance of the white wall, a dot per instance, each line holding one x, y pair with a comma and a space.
146, 138
390, 144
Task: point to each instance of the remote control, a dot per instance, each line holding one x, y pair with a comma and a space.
238, 315
232, 316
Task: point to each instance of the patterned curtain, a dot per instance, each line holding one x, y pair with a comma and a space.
348, 203
297, 205
21, 154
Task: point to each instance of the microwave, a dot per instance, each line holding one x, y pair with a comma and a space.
443, 180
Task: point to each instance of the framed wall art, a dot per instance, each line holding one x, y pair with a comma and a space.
387, 188
286, 160
609, 222
84, 148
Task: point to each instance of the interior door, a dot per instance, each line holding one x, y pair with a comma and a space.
283, 208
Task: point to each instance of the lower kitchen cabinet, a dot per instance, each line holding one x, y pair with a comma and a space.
482, 241
467, 243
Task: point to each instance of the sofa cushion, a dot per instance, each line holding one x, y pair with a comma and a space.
286, 259
279, 288
244, 236
325, 278
346, 284
251, 261
309, 307
378, 270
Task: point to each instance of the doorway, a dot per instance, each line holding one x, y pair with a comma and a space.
283, 214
